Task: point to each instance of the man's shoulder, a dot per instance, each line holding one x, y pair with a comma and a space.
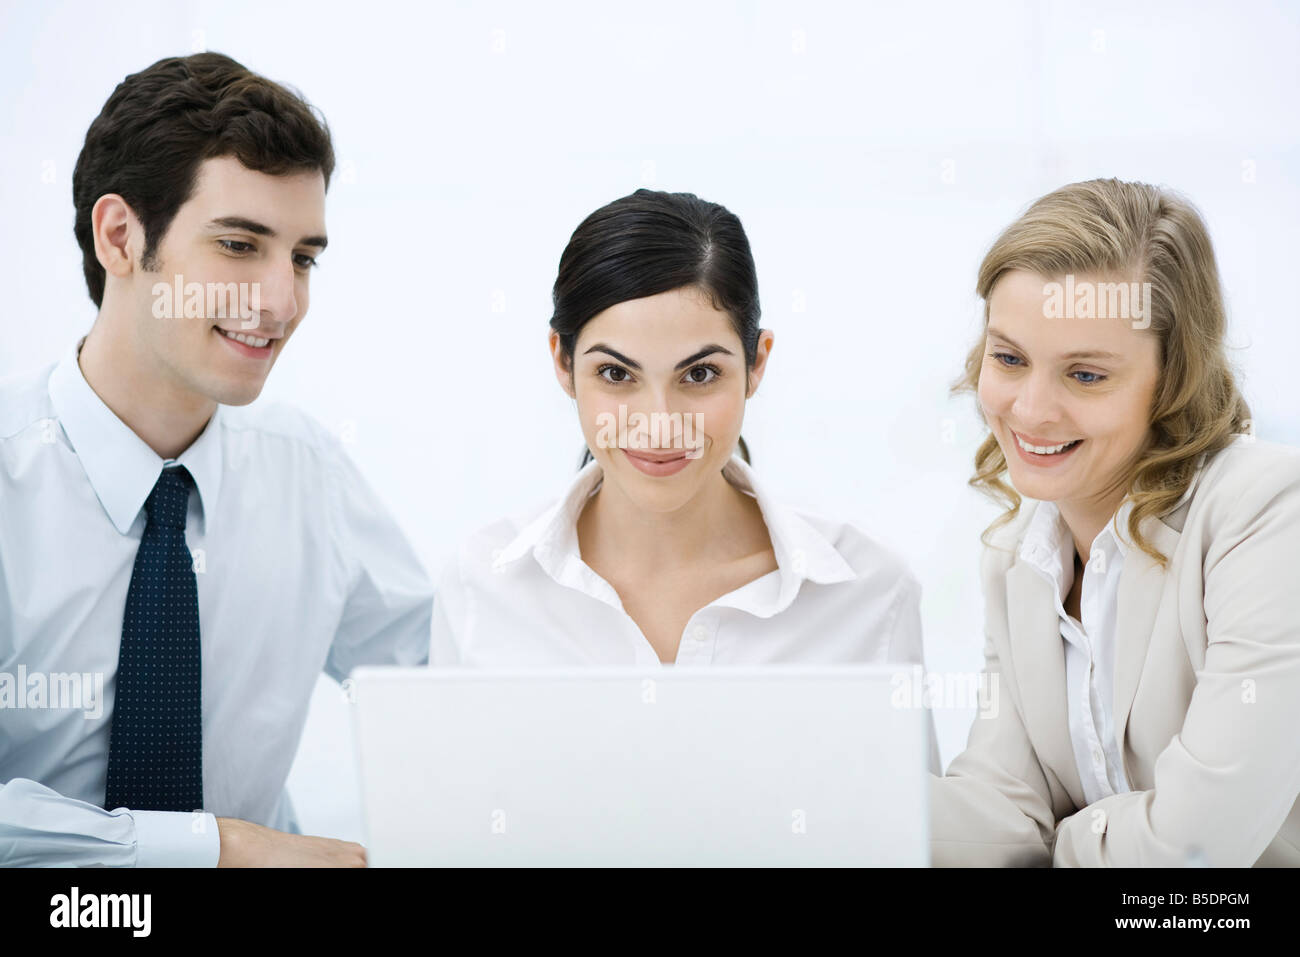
25, 399
279, 422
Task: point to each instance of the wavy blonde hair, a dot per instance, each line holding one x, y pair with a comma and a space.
1107, 226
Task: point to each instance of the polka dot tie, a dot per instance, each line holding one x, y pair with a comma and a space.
155, 751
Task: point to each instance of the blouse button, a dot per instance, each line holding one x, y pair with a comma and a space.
700, 633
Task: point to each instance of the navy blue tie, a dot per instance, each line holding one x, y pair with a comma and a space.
155, 751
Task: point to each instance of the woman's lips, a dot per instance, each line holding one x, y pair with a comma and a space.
1042, 461
658, 464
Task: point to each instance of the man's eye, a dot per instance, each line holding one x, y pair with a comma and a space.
235, 246
614, 374
305, 261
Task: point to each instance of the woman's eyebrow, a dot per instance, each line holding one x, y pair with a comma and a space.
601, 347
1081, 354
706, 351
1004, 337
632, 363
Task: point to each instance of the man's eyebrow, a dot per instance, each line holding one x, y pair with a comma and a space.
601, 347
1079, 354
261, 229
706, 351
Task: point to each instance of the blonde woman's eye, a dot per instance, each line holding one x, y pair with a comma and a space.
1096, 377
614, 374
703, 375
1006, 359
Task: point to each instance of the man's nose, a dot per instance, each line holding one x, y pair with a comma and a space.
276, 300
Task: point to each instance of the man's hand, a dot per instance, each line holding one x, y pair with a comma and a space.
244, 844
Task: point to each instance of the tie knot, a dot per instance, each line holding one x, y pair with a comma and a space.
169, 501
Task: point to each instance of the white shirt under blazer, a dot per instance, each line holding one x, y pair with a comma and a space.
1206, 693
518, 594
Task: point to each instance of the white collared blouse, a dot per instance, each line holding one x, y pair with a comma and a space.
1089, 641
518, 594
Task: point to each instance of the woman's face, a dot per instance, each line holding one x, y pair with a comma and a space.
661, 385
1083, 383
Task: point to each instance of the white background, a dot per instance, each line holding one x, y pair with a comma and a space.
872, 152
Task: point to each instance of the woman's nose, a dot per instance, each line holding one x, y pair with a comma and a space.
1036, 400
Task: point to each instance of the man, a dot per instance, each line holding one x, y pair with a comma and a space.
199, 562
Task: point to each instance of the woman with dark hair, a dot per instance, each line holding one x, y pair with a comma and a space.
665, 548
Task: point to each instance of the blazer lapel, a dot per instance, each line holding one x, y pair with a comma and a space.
1140, 588
1038, 658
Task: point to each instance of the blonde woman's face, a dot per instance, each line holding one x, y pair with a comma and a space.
660, 384
1068, 397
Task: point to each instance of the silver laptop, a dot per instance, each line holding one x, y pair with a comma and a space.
772, 765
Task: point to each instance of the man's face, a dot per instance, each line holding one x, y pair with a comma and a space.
243, 245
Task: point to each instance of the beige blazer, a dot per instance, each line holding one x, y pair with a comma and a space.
1207, 690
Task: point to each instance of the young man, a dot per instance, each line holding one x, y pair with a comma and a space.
176, 571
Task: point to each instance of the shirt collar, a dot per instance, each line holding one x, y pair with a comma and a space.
802, 553
122, 469
1048, 545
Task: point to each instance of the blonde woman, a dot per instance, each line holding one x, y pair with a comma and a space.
1141, 610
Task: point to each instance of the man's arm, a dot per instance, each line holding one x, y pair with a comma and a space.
386, 619
387, 613
244, 844
41, 828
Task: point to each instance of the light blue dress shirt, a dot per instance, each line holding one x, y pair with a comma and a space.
299, 569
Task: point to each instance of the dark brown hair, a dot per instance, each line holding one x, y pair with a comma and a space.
651, 242
160, 124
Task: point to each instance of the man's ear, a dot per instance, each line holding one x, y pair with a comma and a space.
119, 238
763, 350
563, 367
